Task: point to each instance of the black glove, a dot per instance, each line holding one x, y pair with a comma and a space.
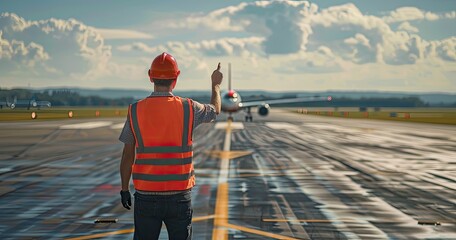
126, 199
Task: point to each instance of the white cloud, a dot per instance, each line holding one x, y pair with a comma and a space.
16, 55
367, 39
350, 34
406, 26
410, 14
107, 33
321, 61
404, 14
18, 51
445, 49
54, 47
358, 39
137, 46
244, 47
272, 20
334, 40
288, 44
291, 27
450, 15
193, 58
197, 60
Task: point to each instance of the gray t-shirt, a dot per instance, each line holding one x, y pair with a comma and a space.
202, 113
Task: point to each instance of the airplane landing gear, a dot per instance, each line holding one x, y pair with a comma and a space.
248, 117
230, 118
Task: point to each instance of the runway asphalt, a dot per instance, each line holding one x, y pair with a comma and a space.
286, 176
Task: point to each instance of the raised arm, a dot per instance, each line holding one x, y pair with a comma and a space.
217, 78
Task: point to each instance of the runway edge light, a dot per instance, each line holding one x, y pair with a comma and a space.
429, 223
106, 220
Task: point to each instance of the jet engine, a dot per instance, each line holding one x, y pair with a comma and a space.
263, 110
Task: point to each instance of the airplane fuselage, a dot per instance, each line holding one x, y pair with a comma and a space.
231, 101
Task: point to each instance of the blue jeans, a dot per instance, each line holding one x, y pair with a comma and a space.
152, 210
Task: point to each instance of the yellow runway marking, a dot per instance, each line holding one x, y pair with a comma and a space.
228, 154
100, 235
257, 232
245, 175
221, 206
131, 230
300, 220
221, 213
221, 224
198, 219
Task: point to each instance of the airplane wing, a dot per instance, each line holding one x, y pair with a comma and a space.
285, 100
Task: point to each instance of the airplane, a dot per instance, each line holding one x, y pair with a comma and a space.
32, 103
232, 102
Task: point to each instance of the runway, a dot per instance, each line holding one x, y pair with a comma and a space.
286, 176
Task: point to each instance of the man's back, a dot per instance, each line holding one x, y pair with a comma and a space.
166, 116
157, 138
162, 128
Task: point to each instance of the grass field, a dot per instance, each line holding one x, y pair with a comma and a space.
61, 113
424, 115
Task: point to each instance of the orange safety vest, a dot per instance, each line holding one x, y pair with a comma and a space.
163, 128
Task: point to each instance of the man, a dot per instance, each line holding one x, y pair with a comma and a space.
158, 152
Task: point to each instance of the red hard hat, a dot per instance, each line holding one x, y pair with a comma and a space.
164, 66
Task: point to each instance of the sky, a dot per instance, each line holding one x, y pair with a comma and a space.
388, 45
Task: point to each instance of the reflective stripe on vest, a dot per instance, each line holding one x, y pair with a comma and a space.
161, 178
162, 168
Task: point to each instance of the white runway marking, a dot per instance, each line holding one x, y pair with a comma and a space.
234, 125
281, 125
6, 169
331, 127
118, 126
86, 125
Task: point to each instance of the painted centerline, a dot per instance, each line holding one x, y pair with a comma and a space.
232, 125
220, 232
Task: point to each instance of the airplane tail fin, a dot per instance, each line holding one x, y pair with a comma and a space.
229, 77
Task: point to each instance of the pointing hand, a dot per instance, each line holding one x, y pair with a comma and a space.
217, 76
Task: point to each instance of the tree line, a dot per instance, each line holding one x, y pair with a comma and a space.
72, 98
62, 98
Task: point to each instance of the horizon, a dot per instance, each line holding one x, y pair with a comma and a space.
275, 46
237, 90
